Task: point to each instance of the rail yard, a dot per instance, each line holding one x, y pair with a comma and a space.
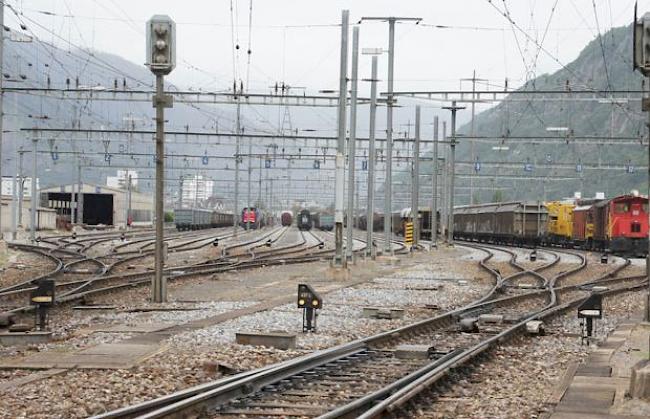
281, 213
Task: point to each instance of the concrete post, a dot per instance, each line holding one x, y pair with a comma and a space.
452, 170
14, 204
128, 201
80, 195
2, 19
647, 305
339, 257
388, 186
352, 141
32, 228
370, 206
21, 186
250, 172
235, 211
415, 184
159, 286
434, 188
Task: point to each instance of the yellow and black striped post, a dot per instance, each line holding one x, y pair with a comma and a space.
408, 233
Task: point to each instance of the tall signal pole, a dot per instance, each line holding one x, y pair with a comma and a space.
388, 186
161, 60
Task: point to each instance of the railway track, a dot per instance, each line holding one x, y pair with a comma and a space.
256, 251
363, 378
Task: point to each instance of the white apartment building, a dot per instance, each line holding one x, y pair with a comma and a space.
195, 190
120, 181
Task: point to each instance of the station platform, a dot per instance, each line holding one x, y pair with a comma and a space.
598, 387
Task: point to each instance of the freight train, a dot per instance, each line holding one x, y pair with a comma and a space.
513, 223
618, 225
399, 218
197, 219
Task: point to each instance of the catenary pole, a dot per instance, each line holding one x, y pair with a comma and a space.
352, 143
235, 211
388, 181
2, 20
415, 194
452, 170
339, 257
434, 188
32, 227
370, 205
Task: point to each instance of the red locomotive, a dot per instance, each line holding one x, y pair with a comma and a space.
619, 225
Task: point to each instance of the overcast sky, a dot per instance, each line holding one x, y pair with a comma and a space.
297, 41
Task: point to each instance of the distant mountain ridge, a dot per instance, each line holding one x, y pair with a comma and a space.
583, 118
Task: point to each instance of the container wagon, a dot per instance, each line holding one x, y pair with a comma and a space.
516, 223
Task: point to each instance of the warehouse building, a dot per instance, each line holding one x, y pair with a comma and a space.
98, 205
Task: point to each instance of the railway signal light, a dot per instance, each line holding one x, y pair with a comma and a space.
161, 44
309, 301
43, 298
589, 310
215, 242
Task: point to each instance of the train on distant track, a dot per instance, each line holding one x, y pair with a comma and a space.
618, 225
400, 218
304, 220
199, 218
252, 218
323, 221
286, 218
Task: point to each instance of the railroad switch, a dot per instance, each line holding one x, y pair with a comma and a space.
310, 301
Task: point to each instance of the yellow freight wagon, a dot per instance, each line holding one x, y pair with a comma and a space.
560, 222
